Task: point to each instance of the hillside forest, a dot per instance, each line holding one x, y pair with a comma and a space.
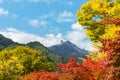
101, 21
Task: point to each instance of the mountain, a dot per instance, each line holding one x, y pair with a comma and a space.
68, 49
6, 43
51, 56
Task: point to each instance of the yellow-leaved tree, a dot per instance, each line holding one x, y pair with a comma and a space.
93, 12
101, 19
21, 61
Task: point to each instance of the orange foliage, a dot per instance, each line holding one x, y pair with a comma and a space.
112, 60
88, 70
115, 21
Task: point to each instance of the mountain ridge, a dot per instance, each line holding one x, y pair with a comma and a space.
6, 43
57, 53
67, 50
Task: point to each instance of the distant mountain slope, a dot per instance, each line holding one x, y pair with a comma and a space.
46, 52
68, 49
6, 43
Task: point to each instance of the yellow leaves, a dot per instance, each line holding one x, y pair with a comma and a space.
99, 6
97, 45
115, 10
22, 49
87, 31
110, 33
101, 10
10, 66
22, 60
116, 2
101, 55
96, 56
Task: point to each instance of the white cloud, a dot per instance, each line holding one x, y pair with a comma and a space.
3, 11
65, 17
18, 36
44, 16
36, 22
43, 23
52, 39
76, 36
70, 3
77, 27
50, 14
23, 37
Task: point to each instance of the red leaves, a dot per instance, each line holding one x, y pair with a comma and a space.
68, 66
88, 70
112, 60
115, 21
96, 67
112, 49
41, 76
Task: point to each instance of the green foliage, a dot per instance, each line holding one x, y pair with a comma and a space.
22, 60
46, 52
1, 47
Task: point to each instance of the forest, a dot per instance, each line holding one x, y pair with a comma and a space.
101, 21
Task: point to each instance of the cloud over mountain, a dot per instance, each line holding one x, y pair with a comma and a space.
76, 35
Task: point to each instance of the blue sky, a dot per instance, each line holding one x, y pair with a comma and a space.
46, 21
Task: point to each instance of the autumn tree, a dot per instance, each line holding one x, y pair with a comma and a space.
88, 70
95, 11
112, 61
101, 19
21, 61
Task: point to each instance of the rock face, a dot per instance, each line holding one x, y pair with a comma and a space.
68, 49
